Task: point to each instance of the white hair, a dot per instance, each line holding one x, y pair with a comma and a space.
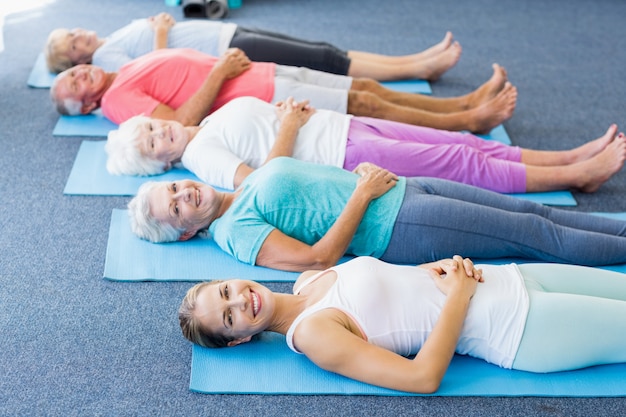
125, 158
143, 224
68, 106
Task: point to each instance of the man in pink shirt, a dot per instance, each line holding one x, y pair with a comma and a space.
186, 85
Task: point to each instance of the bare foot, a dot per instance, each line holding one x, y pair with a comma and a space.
489, 89
495, 111
437, 48
432, 68
597, 170
592, 148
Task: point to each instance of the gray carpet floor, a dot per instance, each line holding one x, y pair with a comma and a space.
75, 344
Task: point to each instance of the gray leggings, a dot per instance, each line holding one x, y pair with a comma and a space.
441, 218
577, 318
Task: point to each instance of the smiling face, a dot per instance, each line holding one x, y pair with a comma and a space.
83, 83
188, 205
162, 140
237, 309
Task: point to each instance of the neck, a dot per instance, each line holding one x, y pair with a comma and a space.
227, 201
288, 307
110, 77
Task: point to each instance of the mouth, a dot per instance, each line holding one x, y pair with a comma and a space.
198, 198
256, 303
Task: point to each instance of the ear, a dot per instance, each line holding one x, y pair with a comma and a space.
239, 341
187, 234
88, 107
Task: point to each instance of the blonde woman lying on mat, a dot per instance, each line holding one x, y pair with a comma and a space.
247, 132
66, 48
364, 319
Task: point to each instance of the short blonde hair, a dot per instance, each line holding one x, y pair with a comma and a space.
125, 158
57, 58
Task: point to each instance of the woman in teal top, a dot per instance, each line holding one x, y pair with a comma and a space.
296, 216
260, 208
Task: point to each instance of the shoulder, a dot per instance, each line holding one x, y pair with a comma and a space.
326, 338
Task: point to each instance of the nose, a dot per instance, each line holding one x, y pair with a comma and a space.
82, 72
239, 302
158, 132
185, 193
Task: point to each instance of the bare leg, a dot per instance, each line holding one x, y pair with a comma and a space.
586, 176
481, 119
428, 65
403, 59
475, 99
582, 153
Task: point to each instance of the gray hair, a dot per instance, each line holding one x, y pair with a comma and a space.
68, 106
125, 158
143, 224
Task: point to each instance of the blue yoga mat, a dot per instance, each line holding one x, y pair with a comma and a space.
89, 175
93, 125
278, 370
409, 86
497, 133
129, 258
39, 76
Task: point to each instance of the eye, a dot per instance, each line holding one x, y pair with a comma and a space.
174, 186
226, 291
229, 317
151, 143
176, 209
150, 126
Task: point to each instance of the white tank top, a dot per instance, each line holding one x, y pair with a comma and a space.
397, 306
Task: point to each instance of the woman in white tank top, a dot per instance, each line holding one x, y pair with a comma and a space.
365, 319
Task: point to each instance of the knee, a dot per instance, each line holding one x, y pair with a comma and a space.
363, 103
365, 84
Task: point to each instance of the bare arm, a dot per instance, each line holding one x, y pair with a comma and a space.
280, 251
161, 24
232, 64
326, 339
292, 117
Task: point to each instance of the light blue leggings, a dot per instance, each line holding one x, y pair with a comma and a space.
577, 318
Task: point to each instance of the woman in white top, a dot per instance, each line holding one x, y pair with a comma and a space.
66, 48
247, 132
364, 319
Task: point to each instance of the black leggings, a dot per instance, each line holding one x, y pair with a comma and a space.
264, 46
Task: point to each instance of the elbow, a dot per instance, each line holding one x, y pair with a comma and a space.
323, 262
426, 383
430, 387
186, 120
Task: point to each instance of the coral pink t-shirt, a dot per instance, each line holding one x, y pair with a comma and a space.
171, 77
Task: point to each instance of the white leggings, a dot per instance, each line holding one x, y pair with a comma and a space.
577, 318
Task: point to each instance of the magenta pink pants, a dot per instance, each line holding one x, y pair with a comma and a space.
415, 151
